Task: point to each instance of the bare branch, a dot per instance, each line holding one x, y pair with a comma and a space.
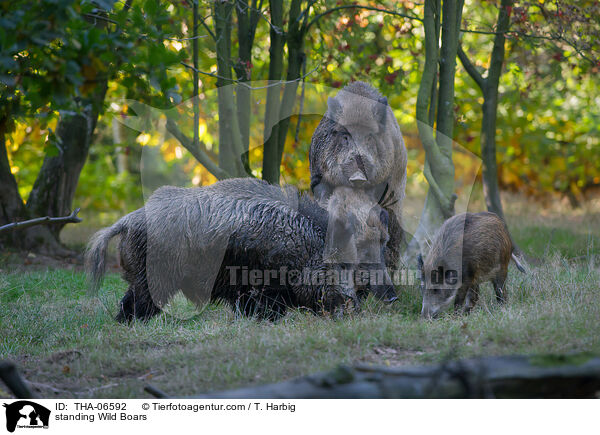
252, 88
446, 204
186, 39
197, 152
369, 8
46, 220
470, 68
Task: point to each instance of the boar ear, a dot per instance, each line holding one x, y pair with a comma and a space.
381, 107
334, 109
420, 262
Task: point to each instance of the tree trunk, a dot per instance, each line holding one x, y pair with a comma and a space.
296, 57
439, 168
11, 204
490, 110
55, 185
271, 163
489, 89
12, 210
231, 148
248, 17
491, 190
576, 376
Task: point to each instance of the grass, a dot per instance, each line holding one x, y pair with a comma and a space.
68, 344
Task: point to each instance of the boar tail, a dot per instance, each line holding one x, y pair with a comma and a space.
518, 263
95, 254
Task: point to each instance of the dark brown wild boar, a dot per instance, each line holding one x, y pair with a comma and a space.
468, 249
198, 240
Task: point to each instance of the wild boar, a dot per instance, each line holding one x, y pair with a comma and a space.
468, 249
358, 143
202, 240
357, 234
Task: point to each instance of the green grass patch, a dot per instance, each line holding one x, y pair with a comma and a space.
68, 344
544, 241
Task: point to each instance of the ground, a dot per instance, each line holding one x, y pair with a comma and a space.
67, 344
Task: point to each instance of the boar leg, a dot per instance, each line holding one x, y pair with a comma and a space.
393, 247
499, 282
461, 294
137, 303
471, 298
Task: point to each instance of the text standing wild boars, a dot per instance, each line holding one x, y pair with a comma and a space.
468, 249
358, 143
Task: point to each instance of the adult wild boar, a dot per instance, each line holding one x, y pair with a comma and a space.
468, 249
358, 143
202, 240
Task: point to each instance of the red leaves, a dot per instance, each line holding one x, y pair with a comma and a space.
391, 78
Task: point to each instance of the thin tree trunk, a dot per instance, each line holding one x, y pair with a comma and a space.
248, 16
296, 57
271, 162
489, 89
491, 190
490, 110
230, 141
439, 168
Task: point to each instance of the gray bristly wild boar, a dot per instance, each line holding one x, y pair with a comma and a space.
468, 249
202, 240
358, 143
357, 234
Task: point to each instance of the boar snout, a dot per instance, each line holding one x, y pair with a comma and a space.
428, 312
386, 291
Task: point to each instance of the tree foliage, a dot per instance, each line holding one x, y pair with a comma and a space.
55, 52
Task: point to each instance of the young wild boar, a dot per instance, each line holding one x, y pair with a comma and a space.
358, 143
468, 249
243, 241
357, 234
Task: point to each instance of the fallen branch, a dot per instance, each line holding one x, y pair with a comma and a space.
500, 377
46, 220
13, 380
156, 392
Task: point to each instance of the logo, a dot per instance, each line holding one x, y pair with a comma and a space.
26, 414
